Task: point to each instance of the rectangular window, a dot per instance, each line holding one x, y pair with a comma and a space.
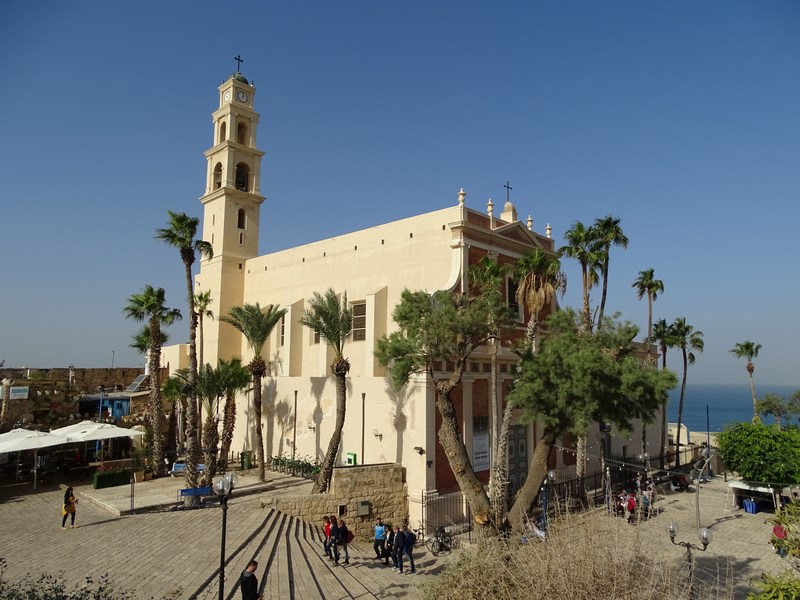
283, 330
359, 321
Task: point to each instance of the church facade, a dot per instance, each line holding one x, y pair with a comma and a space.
431, 251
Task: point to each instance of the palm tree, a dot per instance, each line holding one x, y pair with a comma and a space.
150, 306
646, 284
333, 321
209, 391
687, 339
141, 341
172, 391
256, 324
748, 350
607, 233
539, 280
180, 233
583, 245
662, 333
233, 378
201, 304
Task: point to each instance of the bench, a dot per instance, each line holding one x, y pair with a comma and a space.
199, 492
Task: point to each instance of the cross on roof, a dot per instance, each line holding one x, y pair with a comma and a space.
239, 60
508, 189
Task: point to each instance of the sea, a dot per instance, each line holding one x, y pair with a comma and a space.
726, 403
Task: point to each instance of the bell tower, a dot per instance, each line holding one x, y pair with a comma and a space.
231, 211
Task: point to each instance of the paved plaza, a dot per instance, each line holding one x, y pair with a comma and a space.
159, 553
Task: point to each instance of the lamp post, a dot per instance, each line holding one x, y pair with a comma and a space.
548, 481
705, 539
223, 487
294, 429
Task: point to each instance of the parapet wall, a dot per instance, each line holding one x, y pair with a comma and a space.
382, 486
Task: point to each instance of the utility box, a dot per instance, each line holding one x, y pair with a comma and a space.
363, 508
351, 459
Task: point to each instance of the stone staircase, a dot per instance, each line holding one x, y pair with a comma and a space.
293, 566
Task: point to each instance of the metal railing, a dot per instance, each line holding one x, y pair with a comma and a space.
450, 511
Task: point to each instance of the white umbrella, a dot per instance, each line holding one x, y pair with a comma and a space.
32, 440
89, 431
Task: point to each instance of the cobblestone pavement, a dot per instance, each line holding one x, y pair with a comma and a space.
739, 552
175, 554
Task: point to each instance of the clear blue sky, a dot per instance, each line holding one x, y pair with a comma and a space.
682, 119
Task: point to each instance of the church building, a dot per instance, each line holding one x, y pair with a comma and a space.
431, 251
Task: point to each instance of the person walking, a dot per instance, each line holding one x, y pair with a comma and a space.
249, 582
68, 508
389, 553
326, 523
335, 539
379, 545
399, 547
344, 538
408, 547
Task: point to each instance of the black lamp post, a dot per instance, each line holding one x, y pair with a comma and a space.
548, 482
223, 487
705, 539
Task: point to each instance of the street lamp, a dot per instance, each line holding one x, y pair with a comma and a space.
223, 487
705, 539
548, 481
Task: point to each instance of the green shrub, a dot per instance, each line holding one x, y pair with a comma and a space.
777, 587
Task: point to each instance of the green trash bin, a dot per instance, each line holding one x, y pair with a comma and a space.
247, 458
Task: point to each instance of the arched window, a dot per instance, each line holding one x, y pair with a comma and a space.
223, 131
242, 177
240, 220
241, 133
218, 176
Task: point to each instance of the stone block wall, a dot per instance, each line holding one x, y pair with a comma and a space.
383, 486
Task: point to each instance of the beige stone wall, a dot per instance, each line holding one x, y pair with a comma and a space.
382, 485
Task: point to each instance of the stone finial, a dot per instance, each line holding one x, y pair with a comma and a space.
548, 230
462, 196
530, 223
489, 207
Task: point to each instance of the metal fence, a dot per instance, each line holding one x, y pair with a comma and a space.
450, 511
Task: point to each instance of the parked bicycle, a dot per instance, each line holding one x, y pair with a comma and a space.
442, 541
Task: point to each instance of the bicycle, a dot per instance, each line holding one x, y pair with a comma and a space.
442, 541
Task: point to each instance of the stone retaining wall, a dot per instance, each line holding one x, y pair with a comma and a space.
383, 486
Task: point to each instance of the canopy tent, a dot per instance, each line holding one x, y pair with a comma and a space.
31, 440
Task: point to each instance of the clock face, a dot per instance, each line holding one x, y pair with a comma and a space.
227, 96
241, 95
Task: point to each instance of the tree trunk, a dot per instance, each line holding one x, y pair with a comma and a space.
680, 412
587, 313
228, 422
259, 427
155, 407
192, 450
603, 295
752, 387
528, 493
500, 501
326, 469
580, 462
458, 458
210, 441
495, 483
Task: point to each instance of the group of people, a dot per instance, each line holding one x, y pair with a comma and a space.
626, 503
395, 543
337, 536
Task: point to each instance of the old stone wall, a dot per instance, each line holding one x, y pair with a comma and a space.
383, 486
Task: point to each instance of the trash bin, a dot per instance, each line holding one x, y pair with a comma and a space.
247, 458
